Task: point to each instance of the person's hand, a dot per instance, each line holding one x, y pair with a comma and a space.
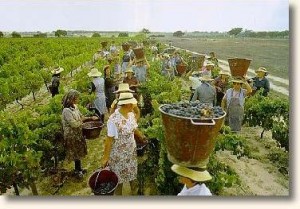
104, 162
95, 118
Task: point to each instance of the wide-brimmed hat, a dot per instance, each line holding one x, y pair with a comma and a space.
209, 64
94, 73
224, 73
123, 87
126, 98
206, 78
166, 55
237, 80
195, 175
129, 70
57, 70
262, 69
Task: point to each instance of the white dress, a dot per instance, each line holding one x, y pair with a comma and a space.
197, 190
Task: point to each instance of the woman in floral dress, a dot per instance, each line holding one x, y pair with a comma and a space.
120, 146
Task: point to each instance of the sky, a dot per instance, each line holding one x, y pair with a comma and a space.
134, 15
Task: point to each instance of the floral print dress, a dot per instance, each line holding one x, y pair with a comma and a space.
123, 157
75, 144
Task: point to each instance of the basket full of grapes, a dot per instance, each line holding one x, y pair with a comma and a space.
190, 130
103, 182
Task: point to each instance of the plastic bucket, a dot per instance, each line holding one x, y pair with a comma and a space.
103, 182
189, 141
238, 66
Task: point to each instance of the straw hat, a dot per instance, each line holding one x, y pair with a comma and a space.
94, 73
123, 87
165, 55
126, 98
209, 64
237, 80
199, 176
129, 70
206, 78
262, 69
224, 73
57, 70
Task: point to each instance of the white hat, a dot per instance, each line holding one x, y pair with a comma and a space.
195, 175
123, 87
129, 70
206, 78
57, 70
94, 73
209, 64
126, 98
224, 73
262, 69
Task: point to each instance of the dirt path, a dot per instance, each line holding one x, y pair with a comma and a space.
258, 177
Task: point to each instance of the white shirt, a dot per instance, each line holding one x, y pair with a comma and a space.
195, 82
197, 190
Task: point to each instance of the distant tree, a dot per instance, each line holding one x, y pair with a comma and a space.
235, 31
60, 33
146, 31
40, 35
178, 33
1, 34
15, 35
123, 34
96, 35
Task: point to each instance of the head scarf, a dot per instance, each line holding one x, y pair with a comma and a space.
69, 98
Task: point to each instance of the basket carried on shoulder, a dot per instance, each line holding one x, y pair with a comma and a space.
238, 66
103, 181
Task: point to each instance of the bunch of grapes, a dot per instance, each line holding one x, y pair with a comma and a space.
104, 188
194, 110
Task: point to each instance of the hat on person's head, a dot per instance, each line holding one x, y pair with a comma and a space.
224, 73
126, 98
94, 73
123, 87
237, 80
206, 78
262, 69
209, 64
129, 70
165, 55
57, 70
195, 175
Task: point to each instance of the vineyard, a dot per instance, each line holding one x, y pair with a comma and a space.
32, 158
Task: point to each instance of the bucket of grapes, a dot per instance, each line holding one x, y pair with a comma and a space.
190, 130
103, 182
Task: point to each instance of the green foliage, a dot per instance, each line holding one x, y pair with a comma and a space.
60, 33
178, 33
266, 111
15, 35
280, 157
96, 35
1, 34
235, 31
123, 34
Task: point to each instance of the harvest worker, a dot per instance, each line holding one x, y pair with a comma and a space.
140, 68
72, 119
97, 86
205, 92
55, 81
193, 181
120, 146
233, 102
131, 80
261, 82
221, 83
207, 69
